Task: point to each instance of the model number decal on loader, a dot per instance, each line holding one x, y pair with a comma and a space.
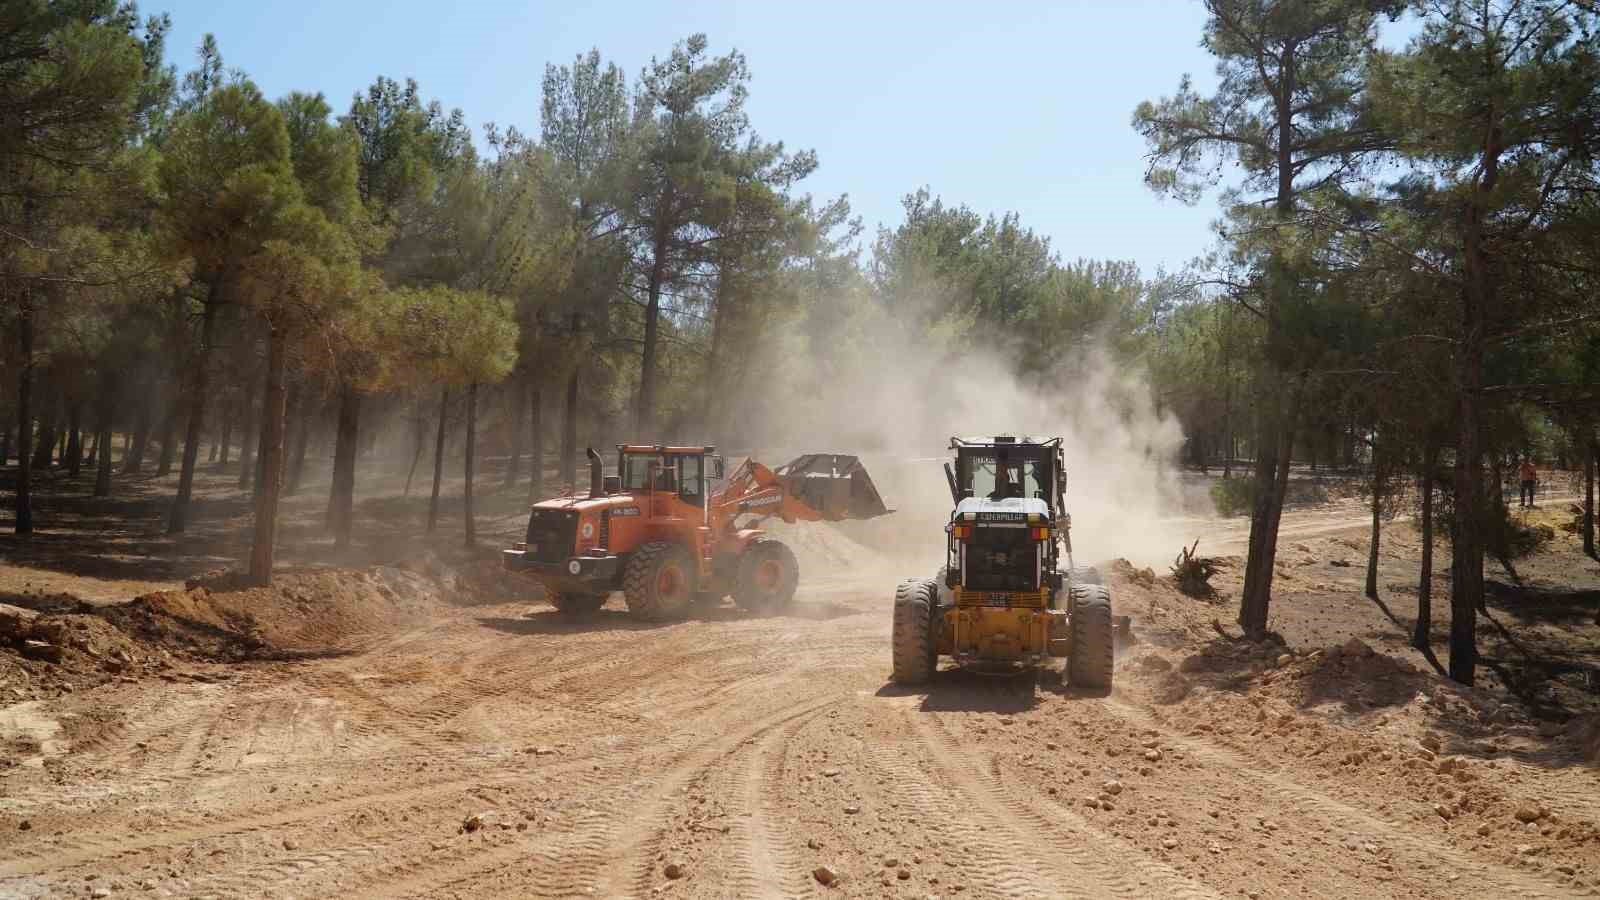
626, 511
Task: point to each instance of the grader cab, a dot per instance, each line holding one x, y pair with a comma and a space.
1008, 594
663, 531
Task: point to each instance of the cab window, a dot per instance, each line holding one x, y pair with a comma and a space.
636, 470
988, 477
691, 486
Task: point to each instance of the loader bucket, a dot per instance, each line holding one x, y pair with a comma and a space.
835, 485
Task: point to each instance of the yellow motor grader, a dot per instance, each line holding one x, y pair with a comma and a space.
1003, 598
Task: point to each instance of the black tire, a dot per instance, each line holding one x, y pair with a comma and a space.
577, 606
1092, 655
767, 578
658, 582
915, 650
1084, 575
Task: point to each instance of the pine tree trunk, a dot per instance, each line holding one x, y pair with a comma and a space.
307, 410
472, 452
259, 470
1227, 429
133, 462
519, 401
247, 443
107, 404
74, 449
341, 495
273, 412
644, 416
199, 378
438, 461
1420, 637
102, 472
225, 446
569, 433
419, 437
44, 453
1377, 519
536, 446
1591, 450
1257, 595
24, 507
1466, 567
292, 423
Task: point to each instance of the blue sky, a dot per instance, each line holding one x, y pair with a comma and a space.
999, 105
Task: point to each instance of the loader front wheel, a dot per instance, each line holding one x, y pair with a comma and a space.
658, 582
1091, 657
915, 651
768, 576
577, 606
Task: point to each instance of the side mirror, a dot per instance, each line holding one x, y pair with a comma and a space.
718, 468
950, 476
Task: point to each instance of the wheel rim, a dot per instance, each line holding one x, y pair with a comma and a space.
670, 581
769, 575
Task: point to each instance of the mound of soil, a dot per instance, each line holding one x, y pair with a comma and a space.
48, 654
310, 613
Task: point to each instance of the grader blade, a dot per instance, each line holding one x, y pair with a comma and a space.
834, 484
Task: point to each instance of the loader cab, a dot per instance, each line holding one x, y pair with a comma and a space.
687, 472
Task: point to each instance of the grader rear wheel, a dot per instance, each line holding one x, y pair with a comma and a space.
1092, 656
659, 582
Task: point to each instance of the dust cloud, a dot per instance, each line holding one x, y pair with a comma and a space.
898, 407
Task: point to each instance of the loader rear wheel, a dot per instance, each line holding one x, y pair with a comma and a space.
577, 606
915, 651
1091, 657
768, 576
659, 582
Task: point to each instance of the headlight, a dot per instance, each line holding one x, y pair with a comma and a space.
574, 566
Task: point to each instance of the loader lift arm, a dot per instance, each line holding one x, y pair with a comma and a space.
814, 487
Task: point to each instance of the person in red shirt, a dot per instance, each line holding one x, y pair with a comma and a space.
1530, 481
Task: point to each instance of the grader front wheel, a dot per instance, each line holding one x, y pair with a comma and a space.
915, 651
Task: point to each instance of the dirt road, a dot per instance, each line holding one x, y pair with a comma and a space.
500, 751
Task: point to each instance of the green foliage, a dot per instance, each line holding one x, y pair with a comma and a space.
1233, 496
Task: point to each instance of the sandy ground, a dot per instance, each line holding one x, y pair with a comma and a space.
493, 749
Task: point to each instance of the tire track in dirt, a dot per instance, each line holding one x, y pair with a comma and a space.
960, 801
738, 774
605, 842
779, 870
1310, 804
1088, 848
82, 848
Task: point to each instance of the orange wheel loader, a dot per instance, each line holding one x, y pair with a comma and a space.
660, 531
